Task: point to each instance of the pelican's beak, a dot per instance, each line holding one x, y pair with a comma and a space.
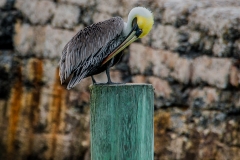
132, 36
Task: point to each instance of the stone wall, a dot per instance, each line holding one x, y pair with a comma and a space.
191, 57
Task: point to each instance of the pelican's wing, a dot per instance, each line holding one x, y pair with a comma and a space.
86, 43
93, 63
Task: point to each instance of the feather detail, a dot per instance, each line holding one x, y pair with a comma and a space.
83, 47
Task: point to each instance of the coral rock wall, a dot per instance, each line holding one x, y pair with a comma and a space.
191, 57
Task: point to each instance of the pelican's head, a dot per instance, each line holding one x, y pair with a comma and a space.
140, 18
140, 22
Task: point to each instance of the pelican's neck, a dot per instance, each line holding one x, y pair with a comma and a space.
127, 28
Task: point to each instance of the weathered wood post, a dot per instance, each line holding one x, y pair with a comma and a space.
122, 122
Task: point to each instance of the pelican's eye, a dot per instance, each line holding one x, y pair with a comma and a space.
145, 24
134, 21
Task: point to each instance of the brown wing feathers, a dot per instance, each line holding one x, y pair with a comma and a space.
86, 43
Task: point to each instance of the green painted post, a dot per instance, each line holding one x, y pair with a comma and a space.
122, 122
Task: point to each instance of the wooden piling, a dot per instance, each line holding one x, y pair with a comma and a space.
122, 122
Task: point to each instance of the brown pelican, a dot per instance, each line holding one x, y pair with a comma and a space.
98, 47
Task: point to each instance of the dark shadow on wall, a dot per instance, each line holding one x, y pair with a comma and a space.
8, 16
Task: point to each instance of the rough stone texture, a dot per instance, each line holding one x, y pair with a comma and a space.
214, 71
24, 38
176, 12
182, 70
145, 60
162, 91
55, 41
27, 42
191, 57
181, 39
223, 22
165, 37
51, 123
234, 76
204, 98
37, 11
160, 63
98, 17
194, 38
221, 48
48, 43
110, 8
2, 3
138, 64
199, 142
7, 64
8, 17
82, 3
212, 18
236, 51
66, 16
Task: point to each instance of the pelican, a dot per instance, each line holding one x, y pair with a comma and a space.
98, 47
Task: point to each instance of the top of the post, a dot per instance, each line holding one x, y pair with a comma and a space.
121, 85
